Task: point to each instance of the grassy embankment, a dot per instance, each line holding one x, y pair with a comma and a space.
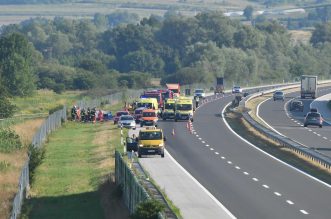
11, 163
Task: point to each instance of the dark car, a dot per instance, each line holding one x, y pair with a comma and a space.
313, 118
279, 95
296, 105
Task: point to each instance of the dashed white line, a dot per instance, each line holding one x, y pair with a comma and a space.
203, 142
310, 130
197, 135
238, 168
199, 138
319, 135
277, 193
315, 133
246, 173
290, 202
223, 158
255, 179
217, 153
211, 149
265, 186
207, 145
325, 138
304, 212
229, 162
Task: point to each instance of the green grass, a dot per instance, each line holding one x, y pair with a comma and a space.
44, 100
67, 183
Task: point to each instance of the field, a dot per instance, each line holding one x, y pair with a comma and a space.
144, 8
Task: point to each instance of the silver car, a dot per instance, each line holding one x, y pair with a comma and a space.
199, 93
279, 95
127, 121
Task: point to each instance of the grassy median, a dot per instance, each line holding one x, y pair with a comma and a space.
75, 178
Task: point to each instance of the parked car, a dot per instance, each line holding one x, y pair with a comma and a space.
199, 93
296, 105
126, 121
119, 114
313, 118
237, 90
279, 95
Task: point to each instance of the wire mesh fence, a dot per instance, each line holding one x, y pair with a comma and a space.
53, 122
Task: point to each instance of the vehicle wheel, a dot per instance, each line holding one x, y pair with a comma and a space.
274, 99
141, 124
304, 125
192, 120
134, 128
164, 119
321, 126
139, 155
162, 155
176, 120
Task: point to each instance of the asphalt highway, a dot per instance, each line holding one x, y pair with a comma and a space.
290, 123
248, 182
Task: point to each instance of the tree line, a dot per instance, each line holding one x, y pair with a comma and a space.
111, 51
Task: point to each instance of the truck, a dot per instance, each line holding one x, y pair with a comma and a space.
154, 94
219, 88
184, 109
151, 141
308, 86
175, 88
169, 109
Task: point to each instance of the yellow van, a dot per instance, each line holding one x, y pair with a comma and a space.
169, 109
151, 141
184, 109
149, 103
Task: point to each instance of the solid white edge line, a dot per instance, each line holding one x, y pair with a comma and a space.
258, 116
275, 158
201, 186
290, 202
303, 212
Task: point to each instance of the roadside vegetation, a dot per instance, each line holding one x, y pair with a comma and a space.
239, 125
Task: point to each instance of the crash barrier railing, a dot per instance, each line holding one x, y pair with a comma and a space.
53, 122
109, 99
133, 192
296, 147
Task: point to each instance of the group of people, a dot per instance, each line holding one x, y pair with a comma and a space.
89, 115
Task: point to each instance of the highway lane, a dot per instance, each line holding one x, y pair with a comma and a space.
290, 123
246, 181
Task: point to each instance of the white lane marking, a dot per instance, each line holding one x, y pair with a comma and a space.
292, 119
211, 149
304, 212
325, 138
310, 130
217, 153
255, 179
258, 116
277, 193
315, 133
203, 142
194, 133
223, 158
319, 135
238, 168
207, 145
265, 186
262, 151
197, 135
295, 121
246, 173
199, 138
229, 162
290, 202
201, 186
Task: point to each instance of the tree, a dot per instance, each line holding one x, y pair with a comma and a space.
148, 209
321, 34
7, 109
248, 13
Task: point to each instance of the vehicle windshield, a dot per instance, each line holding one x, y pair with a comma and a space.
149, 114
138, 111
169, 106
175, 90
236, 87
184, 106
297, 103
126, 118
199, 91
146, 105
279, 93
156, 96
157, 135
122, 113
313, 115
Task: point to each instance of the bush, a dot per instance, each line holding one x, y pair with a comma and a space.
148, 209
9, 141
6, 108
36, 157
4, 166
54, 109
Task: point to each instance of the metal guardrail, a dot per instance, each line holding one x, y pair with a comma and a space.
52, 122
307, 152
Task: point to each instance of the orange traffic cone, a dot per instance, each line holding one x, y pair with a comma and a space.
173, 132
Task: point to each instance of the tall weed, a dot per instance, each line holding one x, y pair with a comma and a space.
9, 140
